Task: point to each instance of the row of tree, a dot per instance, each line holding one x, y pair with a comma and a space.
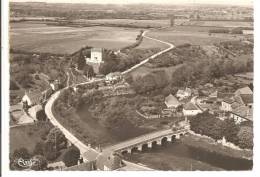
207, 124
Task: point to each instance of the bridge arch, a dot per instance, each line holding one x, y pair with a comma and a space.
164, 140
134, 149
154, 144
145, 147
173, 138
124, 152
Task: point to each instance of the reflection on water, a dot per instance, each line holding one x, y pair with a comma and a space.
179, 149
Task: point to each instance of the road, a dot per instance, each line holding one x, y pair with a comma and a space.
82, 147
171, 46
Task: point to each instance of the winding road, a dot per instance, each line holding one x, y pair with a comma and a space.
82, 147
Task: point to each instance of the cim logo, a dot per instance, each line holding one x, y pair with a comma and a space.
27, 163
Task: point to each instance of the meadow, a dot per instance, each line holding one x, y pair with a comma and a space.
179, 35
66, 40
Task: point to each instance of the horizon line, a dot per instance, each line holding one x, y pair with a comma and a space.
129, 3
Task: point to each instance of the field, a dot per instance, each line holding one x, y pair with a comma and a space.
193, 35
232, 24
57, 39
141, 23
148, 43
144, 70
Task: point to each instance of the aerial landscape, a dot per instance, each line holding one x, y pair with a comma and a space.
131, 87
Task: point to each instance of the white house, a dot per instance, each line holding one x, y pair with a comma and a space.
113, 76
172, 102
95, 56
191, 109
226, 104
181, 94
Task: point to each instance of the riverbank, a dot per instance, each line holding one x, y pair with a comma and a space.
212, 146
191, 152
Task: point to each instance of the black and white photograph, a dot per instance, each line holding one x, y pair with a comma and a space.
137, 85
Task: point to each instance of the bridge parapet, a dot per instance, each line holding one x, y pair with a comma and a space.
139, 142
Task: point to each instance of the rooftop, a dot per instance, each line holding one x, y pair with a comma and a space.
244, 90
96, 49
171, 101
244, 111
190, 106
247, 98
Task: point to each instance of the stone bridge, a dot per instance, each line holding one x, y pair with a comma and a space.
147, 141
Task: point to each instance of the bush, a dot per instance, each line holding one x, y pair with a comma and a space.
40, 163
71, 156
245, 136
40, 115
50, 152
39, 148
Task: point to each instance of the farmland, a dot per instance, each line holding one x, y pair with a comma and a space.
232, 24
193, 35
66, 40
141, 23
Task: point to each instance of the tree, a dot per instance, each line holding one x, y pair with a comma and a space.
71, 156
49, 151
39, 163
39, 148
81, 60
40, 115
245, 136
230, 131
88, 71
21, 153
56, 137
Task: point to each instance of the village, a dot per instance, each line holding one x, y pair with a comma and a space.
178, 96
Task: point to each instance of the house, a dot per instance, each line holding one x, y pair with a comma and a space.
236, 101
244, 90
242, 114
32, 97
108, 161
113, 76
95, 56
171, 102
181, 94
226, 104
191, 109
247, 100
96, 59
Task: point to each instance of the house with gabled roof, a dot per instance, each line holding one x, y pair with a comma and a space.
32, 97
244, 90
242, 114
108, 161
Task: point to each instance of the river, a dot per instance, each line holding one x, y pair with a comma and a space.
180, 156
